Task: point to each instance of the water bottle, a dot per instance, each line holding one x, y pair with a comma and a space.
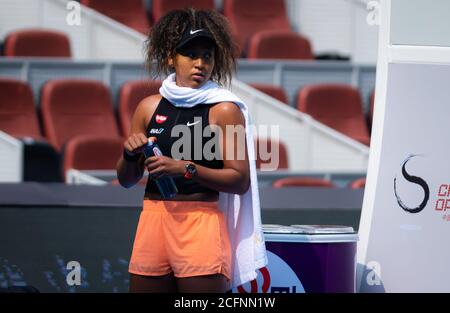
166, 185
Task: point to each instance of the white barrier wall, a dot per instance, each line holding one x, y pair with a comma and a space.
11, 159
76, 177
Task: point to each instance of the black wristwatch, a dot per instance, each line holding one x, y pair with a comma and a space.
191, 171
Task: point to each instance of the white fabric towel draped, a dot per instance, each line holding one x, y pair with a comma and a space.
242, 211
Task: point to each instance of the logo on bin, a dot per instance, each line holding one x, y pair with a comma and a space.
276, 277
415, 180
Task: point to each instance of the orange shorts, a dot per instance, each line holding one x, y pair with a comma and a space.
189, 238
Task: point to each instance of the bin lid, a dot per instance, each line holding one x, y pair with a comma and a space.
309, 233
280, 229
324, 229
308, 229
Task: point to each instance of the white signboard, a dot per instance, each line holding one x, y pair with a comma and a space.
406, 248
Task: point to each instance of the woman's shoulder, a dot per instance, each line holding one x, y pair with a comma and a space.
145, 110
226, 108
226, 112
149, 104
150, 101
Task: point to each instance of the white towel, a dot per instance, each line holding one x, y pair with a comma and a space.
243, 212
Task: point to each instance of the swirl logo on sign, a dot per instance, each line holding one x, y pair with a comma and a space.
415, 180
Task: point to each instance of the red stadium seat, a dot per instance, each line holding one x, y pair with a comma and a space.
18, 116
131, 94
251, 16
263, 146
162, 7
92, 153
276, 44
130, 12
358, 183
302, 182
72, 107
273, 91
37, 43
337, 106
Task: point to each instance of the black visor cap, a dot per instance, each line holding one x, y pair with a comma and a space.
191, 34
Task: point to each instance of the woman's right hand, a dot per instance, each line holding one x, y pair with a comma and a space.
134, 143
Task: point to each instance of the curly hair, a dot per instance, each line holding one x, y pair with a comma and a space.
164, 36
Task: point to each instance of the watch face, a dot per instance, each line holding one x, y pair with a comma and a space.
191, 168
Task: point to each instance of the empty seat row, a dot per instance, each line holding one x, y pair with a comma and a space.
258, 25
18, 118
261, 28
51, 43
335, 105
77, 120
71, 107
246, 17
134, 13
17, 110
279, 44
77, 116
37, 43
65, 105
69, 103
263, 31
342, 102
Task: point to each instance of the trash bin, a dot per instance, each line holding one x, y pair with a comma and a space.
307, 258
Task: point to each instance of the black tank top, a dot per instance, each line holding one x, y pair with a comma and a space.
193, 121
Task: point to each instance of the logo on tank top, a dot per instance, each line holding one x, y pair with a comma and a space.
160, 118
193, 123
156, 131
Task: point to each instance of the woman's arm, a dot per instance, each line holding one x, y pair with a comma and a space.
235, 175
130, 172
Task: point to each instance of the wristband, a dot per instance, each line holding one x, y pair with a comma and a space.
130, 158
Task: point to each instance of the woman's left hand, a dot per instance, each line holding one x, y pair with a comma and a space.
159, 166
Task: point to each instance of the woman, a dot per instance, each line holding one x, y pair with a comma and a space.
183, 244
